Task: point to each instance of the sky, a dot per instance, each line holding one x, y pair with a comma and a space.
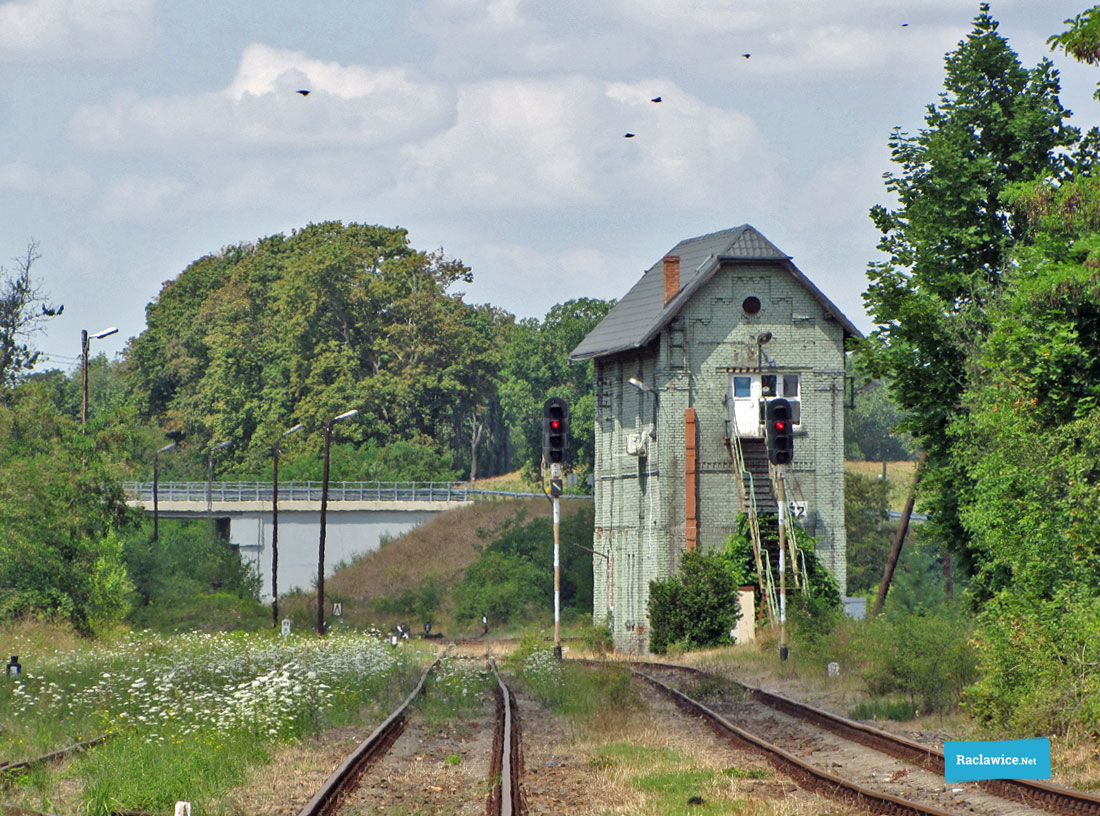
137, 136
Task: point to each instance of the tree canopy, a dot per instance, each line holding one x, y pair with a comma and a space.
950, 237
300, 328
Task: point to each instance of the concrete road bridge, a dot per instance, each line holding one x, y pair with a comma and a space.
359, 517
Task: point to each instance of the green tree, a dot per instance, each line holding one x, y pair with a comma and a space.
61, 515
870, 533
22, 310
536, 367
949, 238
514, 574
299, 328
869, 427
696, 608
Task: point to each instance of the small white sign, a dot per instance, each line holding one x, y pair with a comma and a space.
798, 509
286, 626
337, 609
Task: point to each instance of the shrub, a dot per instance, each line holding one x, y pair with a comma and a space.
1038, 660
927, 658
700, 606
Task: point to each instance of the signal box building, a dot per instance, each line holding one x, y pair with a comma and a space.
684, 366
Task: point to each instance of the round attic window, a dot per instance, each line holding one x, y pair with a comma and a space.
751, 305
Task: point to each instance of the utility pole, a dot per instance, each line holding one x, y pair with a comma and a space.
156, 485
275, 525
84, 336
324, 510
899, 538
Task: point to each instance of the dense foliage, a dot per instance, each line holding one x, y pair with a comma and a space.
989, 320
949, 238
1033, 452
299, 328
61, 517
238, 348
870, 532
514, 574
699, 607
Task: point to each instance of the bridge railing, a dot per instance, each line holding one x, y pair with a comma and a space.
311, 491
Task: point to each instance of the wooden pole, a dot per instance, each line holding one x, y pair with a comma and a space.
899, 539
275, 535
321, 542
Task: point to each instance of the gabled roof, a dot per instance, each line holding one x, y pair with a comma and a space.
641, 314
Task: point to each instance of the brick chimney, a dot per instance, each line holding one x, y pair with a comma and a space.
672, 277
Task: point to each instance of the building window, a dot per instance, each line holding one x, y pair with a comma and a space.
742, 386
751, 305
790, 386
767, 385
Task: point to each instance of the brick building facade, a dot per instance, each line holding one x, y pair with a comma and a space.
682, 363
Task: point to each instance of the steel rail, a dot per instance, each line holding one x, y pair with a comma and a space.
326, 801
1033, 793
505, 765
12, 768
808, 776
16, 810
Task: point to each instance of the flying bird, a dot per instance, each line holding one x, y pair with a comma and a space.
628, 135
746, 56
904, 25
304, 92
655, 99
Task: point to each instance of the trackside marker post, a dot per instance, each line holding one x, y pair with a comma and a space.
557, 566
555, 451
782, 569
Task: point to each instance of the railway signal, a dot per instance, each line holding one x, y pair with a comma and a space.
555, 431
779, 431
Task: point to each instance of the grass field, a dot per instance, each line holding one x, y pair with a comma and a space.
899, 475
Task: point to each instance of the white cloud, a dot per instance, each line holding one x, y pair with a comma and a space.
545, 276
63, 29
137, 198
543, 143
19, 176
803, 38
347, 105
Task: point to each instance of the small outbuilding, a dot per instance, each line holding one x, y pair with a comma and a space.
685, 364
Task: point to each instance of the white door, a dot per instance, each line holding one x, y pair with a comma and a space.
745, 399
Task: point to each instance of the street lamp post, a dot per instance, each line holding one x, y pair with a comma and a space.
156, 483
84, 336
324, 509
275, 524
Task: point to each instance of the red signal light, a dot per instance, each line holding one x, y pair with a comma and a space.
781, 426
555, 424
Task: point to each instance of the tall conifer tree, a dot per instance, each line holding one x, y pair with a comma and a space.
947, 241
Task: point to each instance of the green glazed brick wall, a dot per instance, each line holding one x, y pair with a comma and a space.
640, 500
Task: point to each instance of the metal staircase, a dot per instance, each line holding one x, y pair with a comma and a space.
755, 478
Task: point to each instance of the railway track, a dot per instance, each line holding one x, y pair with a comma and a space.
504, 765
992, 796
10, 769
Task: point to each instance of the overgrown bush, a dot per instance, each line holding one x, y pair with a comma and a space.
820, 595
698, 607
514, 574
927, 658
1038, 661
